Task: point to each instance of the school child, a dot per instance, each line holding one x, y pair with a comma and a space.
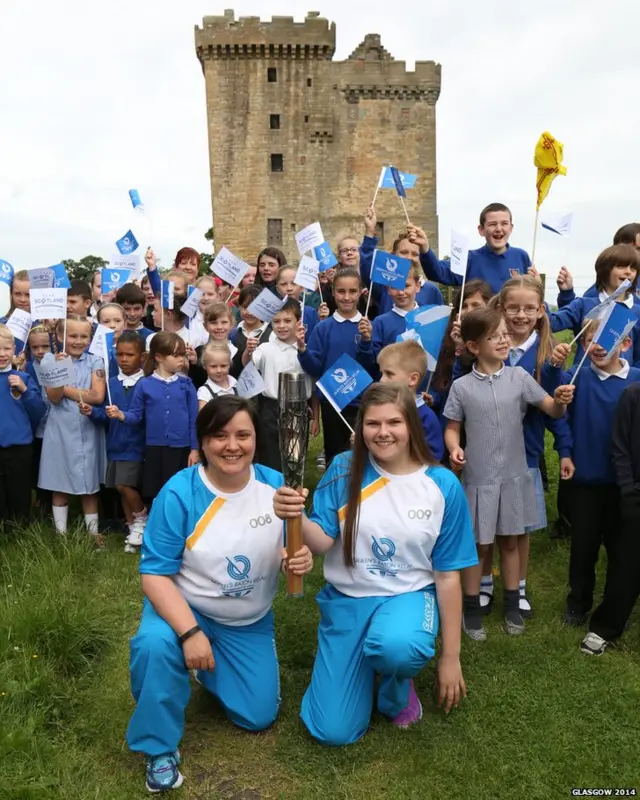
96, 294
79, 298
20, 287
428, 294
622, 585
216, 361
477, 294
491, 401
268, 263
627, 234
330, 339
279, 354
249, 276
209, 295
38, 344
406, 363
171, 320
285, 286
167, 402
73, 458
21, 410
134, 304
613, 266
521, 303
125, 444
145, 285
218, 323
494, 263
248, 327
387, 327
595, 497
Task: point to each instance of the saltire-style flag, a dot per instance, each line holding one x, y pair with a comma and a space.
616, 322
167, 289
127, 244
596, 311
324, 256
114, 279
386, 179
430, 324
343, 382
397, 181
389, 269
136, 202
547, 158
560, 224
6, 272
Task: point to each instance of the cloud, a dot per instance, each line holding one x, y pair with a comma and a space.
101, 98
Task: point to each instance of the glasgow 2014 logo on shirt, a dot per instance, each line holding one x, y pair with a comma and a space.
383, 550
238, 569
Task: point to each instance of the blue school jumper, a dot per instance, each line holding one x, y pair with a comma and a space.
124, 443
19, 418
432, 429
591, 418
484, 264
567, 296
429, 294
169, 409
309, 319
572, 317
330, 339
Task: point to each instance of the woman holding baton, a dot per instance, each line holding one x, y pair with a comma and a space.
395, 529
211, 557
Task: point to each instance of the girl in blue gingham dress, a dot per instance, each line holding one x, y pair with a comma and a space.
492, 401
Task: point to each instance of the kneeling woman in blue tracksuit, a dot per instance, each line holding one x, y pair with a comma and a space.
211, 557
396, 530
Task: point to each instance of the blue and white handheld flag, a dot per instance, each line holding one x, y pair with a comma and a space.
596, 311
60, 277
616, 323
136, 202
386, 179
6, 272
390, 270
397, 181
324, 256
561, 225
430, 323
114, 279
127, 244
343, 382
167, 294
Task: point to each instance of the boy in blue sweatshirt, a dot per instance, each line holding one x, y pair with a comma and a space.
613, 266
21, 409
406, 363
428, 293
386, 328
330, 339
595, 497
493, 263
134, 303
125, 443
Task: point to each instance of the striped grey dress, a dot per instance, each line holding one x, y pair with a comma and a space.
496, 479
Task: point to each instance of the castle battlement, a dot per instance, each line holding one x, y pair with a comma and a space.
250, 37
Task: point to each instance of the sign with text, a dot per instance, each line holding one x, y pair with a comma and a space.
48, 303
266, 305
309, 237
250, 382
307, 274
229, 267
55, 373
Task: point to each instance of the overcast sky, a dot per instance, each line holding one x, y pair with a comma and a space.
97, 98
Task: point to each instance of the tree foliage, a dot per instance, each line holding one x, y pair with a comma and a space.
85, 268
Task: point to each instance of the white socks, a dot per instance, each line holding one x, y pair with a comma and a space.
60, 518
486, 588
524, 604
91, 522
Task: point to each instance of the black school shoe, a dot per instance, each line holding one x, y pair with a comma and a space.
576, 619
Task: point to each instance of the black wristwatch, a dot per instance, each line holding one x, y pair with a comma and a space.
188, 634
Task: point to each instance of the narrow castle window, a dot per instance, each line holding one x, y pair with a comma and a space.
277, 162
274, 122
306, 118
274, 232
272, 75
309, 81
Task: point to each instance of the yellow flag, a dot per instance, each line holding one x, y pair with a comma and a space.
548, 159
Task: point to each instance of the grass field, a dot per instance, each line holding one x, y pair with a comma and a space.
540, 717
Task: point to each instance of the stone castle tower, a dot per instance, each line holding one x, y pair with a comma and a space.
295, 137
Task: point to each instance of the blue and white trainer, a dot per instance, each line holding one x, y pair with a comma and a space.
163, 773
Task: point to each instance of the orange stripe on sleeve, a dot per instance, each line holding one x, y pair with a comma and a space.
367, 492
204, 521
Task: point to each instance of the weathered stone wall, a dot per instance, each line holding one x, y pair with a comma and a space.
340, 121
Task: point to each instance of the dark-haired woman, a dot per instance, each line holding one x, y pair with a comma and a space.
269, 262
211, 558
396, 530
